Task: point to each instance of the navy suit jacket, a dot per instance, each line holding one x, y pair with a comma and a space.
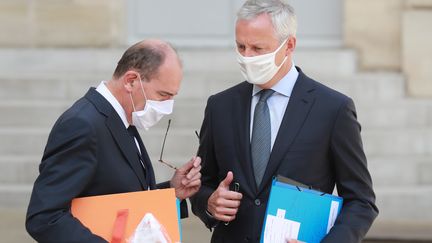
318, 144
89, 152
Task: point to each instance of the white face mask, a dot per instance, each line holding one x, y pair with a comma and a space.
259, 69
152, 113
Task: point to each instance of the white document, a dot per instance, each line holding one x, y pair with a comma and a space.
333, 215
278, 229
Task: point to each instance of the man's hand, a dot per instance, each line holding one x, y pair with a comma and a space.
223, 204
187, 180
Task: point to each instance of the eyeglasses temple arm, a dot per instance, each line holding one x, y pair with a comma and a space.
163, 144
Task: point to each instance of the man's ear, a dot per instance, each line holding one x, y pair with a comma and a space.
292, 41
129, 79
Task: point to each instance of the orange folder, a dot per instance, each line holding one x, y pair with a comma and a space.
99, 213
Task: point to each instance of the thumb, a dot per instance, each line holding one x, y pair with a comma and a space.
227, 181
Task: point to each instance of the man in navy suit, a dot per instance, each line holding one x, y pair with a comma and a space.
278, 122
94, 147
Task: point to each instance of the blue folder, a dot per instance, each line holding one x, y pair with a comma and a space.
305, 214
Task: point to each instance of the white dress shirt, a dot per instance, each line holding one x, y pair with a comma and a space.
106, 93
277, 102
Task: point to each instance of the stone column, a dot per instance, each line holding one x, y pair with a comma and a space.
393, 35
372, 27
417, 47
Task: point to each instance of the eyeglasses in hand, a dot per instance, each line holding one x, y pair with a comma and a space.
163, 146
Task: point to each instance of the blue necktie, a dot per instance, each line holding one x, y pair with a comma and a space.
261, 136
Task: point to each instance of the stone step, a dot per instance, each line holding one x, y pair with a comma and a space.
401, 171
22, 170
19, 170
410, 171
12, 225
395, 114
183, 141
399, 231
34, 114
397, 142
311, 60
180, 142
44, 87
368, 87
190, 112
103, 61
405, 203
43, 114
395, 203
15, 195
362, 87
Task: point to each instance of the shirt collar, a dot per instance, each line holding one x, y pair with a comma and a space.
106, 93
285, 85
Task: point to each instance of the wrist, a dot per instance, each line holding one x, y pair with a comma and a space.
211, 221
209, 213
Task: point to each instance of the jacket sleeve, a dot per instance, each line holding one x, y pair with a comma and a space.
67, 166
184, 212
353, 180
209, 171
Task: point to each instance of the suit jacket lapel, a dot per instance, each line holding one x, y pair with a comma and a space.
127, 146
119, 132
300, 103
241, 115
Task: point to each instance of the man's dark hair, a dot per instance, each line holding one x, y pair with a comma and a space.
143, 58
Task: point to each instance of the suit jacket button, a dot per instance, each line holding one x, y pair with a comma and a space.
257, 202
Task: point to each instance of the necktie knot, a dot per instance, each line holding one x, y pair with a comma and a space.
265, 94
133, 132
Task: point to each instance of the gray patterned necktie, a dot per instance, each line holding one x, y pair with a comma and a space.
261, 136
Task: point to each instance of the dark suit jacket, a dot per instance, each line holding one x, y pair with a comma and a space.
318, 144
89, 152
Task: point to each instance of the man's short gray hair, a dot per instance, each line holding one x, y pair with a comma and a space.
281, 13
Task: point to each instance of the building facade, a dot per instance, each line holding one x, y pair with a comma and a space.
375, 51
387, 34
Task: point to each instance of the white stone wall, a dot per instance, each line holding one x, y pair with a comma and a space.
387, 34
61, 23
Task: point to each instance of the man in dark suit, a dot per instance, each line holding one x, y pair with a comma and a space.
279, 122
94, 147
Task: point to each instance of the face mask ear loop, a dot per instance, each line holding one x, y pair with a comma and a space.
286, 57
282, 44
133, 105
142, 89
